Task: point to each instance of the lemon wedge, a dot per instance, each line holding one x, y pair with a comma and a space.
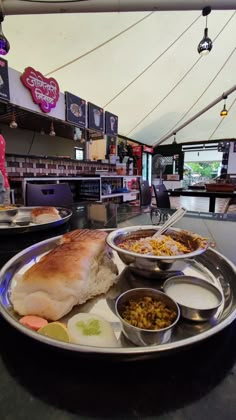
55, 330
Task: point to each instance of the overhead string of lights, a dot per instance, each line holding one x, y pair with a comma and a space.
202, 94
98, 46
180, 81
152, 63
221, 120
208, 86
194, 117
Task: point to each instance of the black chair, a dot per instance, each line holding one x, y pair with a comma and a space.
145, 193
59, 195
161, 195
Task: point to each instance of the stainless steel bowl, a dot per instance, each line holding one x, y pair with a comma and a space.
7, 214
151, 262
198, 299
145, 337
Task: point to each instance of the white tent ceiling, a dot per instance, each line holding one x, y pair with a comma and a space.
142, 66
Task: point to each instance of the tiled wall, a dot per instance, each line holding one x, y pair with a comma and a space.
35, 166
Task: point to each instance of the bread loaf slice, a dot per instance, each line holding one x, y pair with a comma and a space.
44, 215
70, 274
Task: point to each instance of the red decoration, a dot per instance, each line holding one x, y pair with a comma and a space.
45, 92
148, 149
137, 151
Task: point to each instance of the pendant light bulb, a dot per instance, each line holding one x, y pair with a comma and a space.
13, 123
82, 137
224, 111
90, 141
52, 132
4, 43
174, 141
75, 137
206, 44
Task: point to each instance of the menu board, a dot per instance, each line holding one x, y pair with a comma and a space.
4, 80
75, 110
111, 124
95, 117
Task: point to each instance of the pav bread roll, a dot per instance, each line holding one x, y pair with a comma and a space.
44, 215
70, 274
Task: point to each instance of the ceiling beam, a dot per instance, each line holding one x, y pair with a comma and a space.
21, 7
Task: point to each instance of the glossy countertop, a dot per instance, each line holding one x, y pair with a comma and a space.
39, 382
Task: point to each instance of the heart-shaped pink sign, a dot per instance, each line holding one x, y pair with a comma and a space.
45, 92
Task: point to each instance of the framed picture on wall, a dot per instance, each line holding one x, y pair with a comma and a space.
75, 110
95, 117
111, 124
4, 80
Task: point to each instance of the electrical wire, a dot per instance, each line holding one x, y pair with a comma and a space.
205, 90
32, 142
150, 65
222, 119
166, 96
100, 45
177, 84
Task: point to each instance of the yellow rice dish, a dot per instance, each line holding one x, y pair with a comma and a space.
162, 245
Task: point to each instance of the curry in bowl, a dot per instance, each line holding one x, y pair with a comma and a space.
136, 245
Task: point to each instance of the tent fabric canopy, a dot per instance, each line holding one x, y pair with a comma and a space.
142, 66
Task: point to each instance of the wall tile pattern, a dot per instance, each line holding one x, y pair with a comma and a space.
36, 166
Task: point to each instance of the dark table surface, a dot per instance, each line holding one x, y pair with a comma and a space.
212, 195
41, 382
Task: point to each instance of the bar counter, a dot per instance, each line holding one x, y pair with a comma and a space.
42, 382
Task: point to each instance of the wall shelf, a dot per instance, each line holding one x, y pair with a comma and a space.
87, 188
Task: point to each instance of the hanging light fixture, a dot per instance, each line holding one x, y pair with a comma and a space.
4, 43
52, 132
90, 140
224, 111
42, 132
206, 44
13, 123
75, 137
174, 141
82, 140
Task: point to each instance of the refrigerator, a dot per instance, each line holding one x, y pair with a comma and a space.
143, 165
147, 163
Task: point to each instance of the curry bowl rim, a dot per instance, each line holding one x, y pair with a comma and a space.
114, 234
159, 293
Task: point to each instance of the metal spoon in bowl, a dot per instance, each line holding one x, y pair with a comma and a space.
178, 214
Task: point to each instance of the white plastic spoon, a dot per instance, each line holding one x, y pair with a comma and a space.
178, 214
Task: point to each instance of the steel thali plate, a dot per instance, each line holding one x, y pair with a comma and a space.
22, 221
211, 266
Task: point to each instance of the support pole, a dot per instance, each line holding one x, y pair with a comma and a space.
216, 101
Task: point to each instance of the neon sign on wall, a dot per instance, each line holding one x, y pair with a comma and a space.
45, 92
